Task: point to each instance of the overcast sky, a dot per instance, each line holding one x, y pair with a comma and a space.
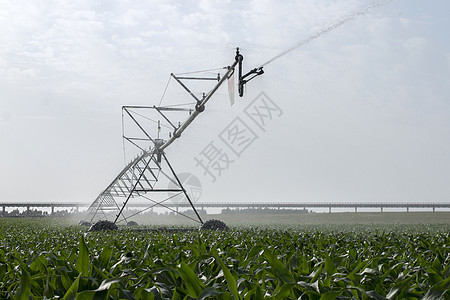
365, 107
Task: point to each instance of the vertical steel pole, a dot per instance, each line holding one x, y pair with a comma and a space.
182, 188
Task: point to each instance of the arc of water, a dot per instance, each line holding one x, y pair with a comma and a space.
333, 26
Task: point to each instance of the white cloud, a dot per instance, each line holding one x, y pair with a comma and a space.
415, 45
356, 94
131, 18
447, 55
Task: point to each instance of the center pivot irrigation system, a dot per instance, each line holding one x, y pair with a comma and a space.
150, 178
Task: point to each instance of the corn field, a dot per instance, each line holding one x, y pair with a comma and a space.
39, 260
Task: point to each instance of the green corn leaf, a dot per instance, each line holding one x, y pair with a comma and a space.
25, 287
73, 289
311, 294
330, 268
83, 257
259, 294
102, 291
208, 293
436, 265
175, 295
438, 290
305, 264
293, 261
90, 295
434, 277
374, 295
226, 296
103, 273
353, 275
280, 270
315, 286
253, 253
310, 286
284, 291
106, 284
315, 275
398, 288
124, 294
193, 284
105, 257
369, 294
446, 271
3, 268
65, 279
370, 271
331, 295
146, 295
231, 282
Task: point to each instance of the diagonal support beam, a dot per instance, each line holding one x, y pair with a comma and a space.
181, 186
139, 125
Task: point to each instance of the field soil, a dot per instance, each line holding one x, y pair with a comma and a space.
268, 219
336, 218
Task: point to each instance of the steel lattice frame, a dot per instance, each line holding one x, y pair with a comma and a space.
141, 177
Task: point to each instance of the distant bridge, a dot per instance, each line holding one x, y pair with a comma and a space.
329, 205
51, 205
231, 205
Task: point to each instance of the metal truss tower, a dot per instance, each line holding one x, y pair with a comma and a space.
143, 177
150, 178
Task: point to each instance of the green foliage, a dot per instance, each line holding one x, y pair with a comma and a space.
38, 260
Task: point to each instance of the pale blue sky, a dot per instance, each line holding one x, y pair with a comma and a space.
366, 106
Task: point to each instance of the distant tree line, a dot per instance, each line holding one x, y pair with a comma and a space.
34, 213
264, 210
